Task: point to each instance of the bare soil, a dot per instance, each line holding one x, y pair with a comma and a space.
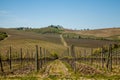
86, 70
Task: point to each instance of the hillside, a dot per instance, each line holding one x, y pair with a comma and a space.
56, 61
27, 40
110, 33
51, 34
52, 29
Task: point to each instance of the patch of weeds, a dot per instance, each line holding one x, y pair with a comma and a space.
68, 66
9, 78
19, 78
94, 76
73, 75
29, 78
53, 77
114, 77
102, 76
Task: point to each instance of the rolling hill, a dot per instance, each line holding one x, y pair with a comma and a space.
110, 33
56, 44
51, 34
27, 40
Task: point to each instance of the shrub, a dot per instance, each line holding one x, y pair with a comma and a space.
54, 55
96, 51
3, 35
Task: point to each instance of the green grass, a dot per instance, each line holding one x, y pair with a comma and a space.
20, 78
53, 77
47, 30
3, 35
103, 76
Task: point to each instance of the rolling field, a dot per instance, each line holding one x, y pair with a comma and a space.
73, 63
17, 34
28, 40
108, 32
89, 43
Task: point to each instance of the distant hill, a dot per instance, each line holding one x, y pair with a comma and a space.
55, 29
108, 33
43, 36
101, 34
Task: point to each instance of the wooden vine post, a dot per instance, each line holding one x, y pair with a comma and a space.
44, 55
91, 58
1, 64
36, 59
72, 51
21, 56
40, 57
116, 57
109, 60
10, 59
68, 51
80, 57
102, 60
85, 56
110, 57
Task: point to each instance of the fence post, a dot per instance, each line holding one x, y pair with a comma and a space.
1, 63
116, 57
91, 57
107, 64
110, 57
102, 62
85, 56
36, 59
80, 57
68, 51
10, 61
40, 57
21, 57
28, 57
32, 57
72, 50
109, 60
44, 55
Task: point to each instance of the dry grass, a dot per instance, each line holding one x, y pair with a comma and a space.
89, 43
28, 40
98, 32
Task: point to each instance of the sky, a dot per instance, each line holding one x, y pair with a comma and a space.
72, 14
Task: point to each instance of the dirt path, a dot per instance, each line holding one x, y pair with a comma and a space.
63, 41
56, 68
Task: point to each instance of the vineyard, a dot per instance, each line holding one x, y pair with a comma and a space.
21, 62
43, 56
